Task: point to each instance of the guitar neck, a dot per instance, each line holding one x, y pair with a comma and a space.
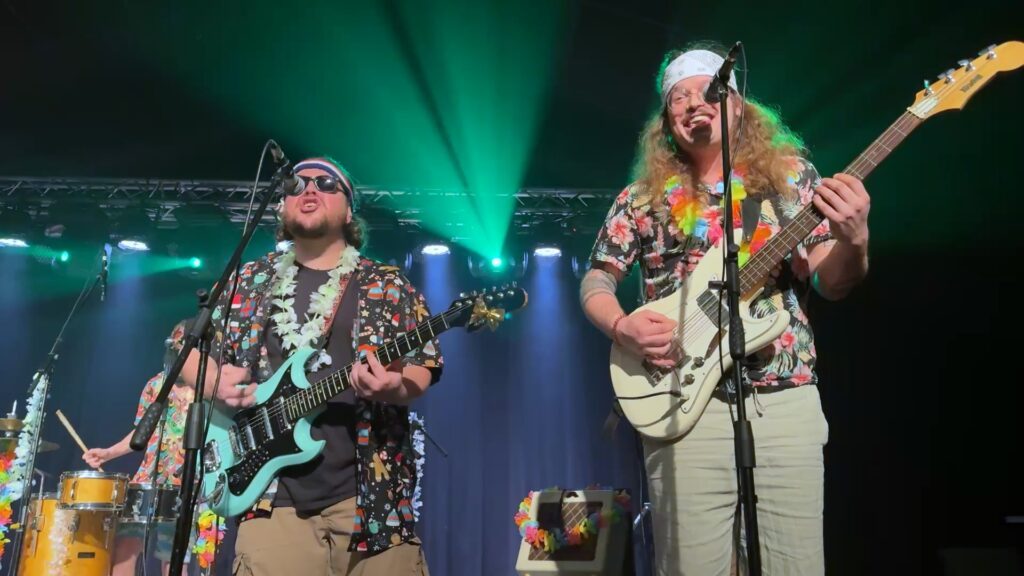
319, 392
809, 218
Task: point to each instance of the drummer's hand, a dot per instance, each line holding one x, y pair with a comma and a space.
96, 457
233, 390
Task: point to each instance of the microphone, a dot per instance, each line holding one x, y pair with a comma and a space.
291, 184
105, 261
721, 79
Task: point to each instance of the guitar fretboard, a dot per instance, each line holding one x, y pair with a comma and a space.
335, 383
809, 218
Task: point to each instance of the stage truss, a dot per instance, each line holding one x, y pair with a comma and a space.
568, 210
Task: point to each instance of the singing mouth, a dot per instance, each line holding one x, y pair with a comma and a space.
698, 121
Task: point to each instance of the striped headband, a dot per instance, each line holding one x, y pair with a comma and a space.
690, 64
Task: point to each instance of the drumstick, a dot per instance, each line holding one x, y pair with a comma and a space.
74, 435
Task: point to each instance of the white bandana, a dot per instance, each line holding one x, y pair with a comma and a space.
689, 64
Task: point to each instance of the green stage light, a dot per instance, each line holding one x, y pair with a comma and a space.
195, 263
65, 256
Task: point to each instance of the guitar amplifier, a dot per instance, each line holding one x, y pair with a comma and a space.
605, 554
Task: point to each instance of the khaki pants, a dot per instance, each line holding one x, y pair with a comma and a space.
317, 545
693, 488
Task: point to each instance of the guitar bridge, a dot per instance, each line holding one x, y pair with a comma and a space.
211, 457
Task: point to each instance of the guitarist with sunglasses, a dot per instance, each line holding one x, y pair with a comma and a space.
349, 510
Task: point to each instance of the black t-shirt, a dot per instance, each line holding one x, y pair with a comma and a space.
331, 476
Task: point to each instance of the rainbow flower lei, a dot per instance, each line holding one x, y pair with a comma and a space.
552, 540
693, 217
5, 498
210, 530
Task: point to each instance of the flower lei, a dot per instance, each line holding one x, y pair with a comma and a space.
29, 431
553, 540
322, 303
210, 530
60, 540
13, 465
5, 498
693, 217
420, 452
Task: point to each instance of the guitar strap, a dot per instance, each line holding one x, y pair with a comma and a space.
343, 286
750, 209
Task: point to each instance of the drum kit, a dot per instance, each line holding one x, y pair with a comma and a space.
72, 530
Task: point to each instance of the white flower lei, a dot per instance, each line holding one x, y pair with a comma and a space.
321, 303
419, 449
29, 431
60, 536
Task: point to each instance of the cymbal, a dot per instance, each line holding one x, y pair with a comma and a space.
10, 424
44, 445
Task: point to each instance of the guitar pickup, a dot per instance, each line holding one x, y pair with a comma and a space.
267, 427
281, 414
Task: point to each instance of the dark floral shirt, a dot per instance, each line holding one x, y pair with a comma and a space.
661, 238
389, 305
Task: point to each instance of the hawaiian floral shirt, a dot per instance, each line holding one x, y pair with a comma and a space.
389, 305
663, 238
166, 439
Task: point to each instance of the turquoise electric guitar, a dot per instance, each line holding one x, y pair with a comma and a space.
246, 449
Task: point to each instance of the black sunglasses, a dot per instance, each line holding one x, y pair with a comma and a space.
326, 184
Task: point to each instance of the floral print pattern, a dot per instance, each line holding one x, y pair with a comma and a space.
389, 305
668, 241
166, 439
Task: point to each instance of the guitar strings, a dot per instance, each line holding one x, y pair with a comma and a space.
289, 403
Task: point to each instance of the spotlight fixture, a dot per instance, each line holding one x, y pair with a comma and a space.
435, 249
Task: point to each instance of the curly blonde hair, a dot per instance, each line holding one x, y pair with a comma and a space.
766, 147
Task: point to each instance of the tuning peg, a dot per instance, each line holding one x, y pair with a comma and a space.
989, 52
928, 88
463, 295
948, 75
489, 298
966, 65
473, 293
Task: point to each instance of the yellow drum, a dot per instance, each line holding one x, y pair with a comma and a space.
91, 490
64, 541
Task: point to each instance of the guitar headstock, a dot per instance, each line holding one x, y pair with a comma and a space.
487, 308
954, 88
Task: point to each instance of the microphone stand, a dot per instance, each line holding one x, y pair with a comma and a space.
42, 378
200, 333
742, 433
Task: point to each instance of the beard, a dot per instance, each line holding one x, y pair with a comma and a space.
311, 229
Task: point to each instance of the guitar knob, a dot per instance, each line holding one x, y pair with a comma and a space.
698, 361
688, 379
